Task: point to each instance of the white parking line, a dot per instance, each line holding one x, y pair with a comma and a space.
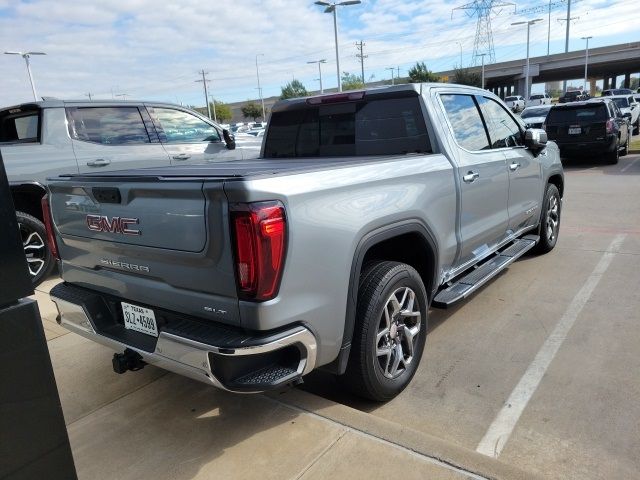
502, 426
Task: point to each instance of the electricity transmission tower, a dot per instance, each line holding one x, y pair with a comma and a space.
483, 42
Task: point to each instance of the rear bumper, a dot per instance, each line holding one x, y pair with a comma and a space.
587, 148
224, 357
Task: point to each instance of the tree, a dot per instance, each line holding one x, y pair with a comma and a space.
351, 81
251, 110
464, 76
293, 89
420, 73
223, 111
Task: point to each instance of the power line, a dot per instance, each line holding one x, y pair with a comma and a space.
204, 81
361, 56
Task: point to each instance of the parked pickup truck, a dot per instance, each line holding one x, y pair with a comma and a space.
365, 208
53, 137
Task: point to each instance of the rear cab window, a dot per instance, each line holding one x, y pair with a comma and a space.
18, 125
371, 126
596, 112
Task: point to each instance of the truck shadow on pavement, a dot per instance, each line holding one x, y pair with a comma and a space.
328, 386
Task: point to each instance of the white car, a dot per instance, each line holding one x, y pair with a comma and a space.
539, 99
628, 104
515, 103
534, 117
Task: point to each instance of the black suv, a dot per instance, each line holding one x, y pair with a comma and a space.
573, 96
587, 128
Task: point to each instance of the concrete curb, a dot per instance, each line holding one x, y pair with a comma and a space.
424, 444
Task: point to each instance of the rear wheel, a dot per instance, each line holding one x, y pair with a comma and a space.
613, 157
549, 220
625, 150
390, 332
39, 258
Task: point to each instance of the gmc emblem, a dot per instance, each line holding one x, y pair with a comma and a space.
101, 223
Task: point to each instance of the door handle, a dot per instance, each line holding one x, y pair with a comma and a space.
182, 156
100, 162
514, 166
470, 177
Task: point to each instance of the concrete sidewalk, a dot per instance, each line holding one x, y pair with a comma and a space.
155, 425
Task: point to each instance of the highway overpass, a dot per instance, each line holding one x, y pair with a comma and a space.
605, 63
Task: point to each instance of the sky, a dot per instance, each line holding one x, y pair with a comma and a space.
151, 49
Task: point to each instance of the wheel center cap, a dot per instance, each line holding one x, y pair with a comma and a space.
393, 331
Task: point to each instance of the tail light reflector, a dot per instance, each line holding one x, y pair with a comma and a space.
260, 235
48, 225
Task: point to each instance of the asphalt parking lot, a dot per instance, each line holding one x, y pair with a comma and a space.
537, 375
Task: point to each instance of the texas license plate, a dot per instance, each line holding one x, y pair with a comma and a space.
139, 319
575, 131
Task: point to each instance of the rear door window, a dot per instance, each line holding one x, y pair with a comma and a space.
19, 127
107, 125
466, 122
374, 127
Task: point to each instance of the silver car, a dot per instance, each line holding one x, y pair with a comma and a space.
53, 137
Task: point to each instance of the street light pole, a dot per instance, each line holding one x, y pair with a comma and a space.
333, 8
527, 86
264, 118
482, 55
586, 61
392, 70
26, 56
319, 62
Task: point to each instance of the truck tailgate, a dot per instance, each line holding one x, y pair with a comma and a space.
154, 241
167, 215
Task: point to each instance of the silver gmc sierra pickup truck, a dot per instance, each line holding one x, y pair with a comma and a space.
364, 209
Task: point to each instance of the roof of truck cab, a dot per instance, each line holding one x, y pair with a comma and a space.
418, 88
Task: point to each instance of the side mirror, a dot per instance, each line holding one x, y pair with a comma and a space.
229, 139
535, 139
627, 115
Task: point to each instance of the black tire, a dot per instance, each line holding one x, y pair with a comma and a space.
34, 239
366, 375
549, 220
625, 150
613, 157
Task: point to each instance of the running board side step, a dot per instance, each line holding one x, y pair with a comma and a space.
480, 275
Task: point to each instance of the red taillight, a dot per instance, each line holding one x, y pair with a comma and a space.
48, 225
610, 126
260, 234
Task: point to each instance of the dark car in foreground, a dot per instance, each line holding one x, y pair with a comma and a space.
594, 127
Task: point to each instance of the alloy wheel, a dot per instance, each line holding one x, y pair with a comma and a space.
34, 249
398, 330
553, 218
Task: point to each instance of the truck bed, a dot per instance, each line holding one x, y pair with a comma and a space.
233, 169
